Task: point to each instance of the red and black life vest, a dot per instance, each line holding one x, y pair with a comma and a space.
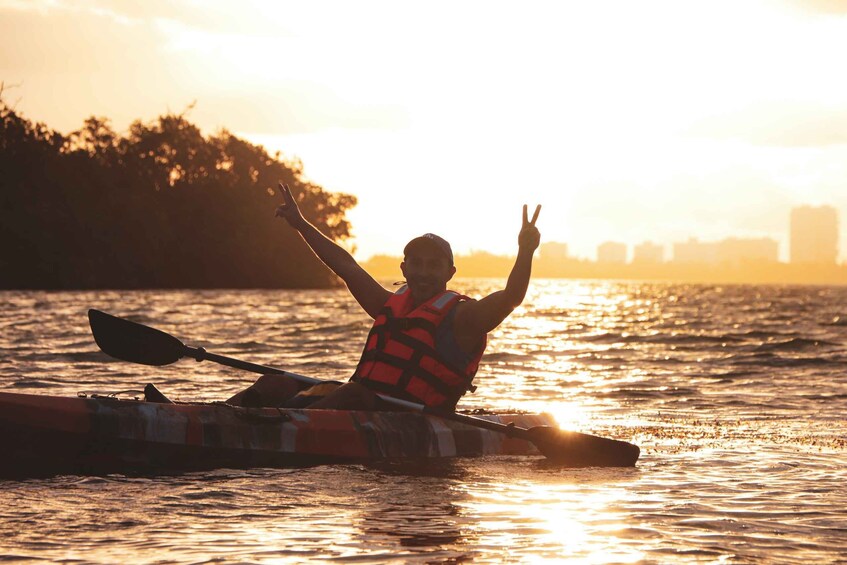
400, 357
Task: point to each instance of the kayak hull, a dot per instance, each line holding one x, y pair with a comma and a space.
49, 435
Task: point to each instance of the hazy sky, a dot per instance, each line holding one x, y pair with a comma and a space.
627, 121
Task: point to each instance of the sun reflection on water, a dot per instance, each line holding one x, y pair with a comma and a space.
551, 522
568, 415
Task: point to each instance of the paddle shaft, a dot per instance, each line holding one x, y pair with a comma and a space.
200, 354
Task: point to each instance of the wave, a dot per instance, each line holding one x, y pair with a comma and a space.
796, 344
824, 397
31, 383
760, 335
603, 338
730, 376
662, 339
767, 359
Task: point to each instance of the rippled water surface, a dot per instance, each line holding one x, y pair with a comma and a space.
736, 394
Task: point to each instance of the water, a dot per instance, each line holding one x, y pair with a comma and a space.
736, 395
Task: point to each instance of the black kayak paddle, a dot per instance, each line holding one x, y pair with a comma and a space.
137, 343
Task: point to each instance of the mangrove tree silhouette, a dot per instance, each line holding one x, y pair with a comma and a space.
161, 206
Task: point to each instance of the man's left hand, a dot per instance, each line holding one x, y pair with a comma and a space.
530, 237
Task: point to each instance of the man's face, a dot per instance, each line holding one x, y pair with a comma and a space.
427, 272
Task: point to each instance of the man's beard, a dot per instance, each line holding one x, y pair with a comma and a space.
425, 285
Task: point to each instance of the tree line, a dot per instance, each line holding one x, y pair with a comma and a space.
161, 206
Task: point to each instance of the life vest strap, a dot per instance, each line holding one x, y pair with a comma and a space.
404, 324
416, 344
409, 371
412, 368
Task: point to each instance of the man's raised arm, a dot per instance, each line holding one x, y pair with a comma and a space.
368, 293
476, 319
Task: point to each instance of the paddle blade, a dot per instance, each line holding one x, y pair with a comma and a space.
573, 449
130, 341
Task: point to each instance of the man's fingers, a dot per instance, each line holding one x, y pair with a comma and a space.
526, 220
287, 198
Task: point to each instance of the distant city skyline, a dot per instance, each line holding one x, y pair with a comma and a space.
813, 235
812, 231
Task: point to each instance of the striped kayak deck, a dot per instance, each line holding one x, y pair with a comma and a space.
48, 435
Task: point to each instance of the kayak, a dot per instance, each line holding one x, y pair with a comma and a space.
49, 435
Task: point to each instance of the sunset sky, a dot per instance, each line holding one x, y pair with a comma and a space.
627, 121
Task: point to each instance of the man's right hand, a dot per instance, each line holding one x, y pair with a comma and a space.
289, 209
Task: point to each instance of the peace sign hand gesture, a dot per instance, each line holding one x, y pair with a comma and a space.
530, 237
289, 209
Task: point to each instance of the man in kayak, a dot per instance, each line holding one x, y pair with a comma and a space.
426, 341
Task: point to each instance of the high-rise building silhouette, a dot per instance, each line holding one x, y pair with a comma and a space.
729, 251
611, 252
735, 250
814, 235
648, 252
694, 251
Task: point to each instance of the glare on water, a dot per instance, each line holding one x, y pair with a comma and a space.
735, 394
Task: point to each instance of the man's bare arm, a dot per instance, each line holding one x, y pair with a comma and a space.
475, 319
370, 295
